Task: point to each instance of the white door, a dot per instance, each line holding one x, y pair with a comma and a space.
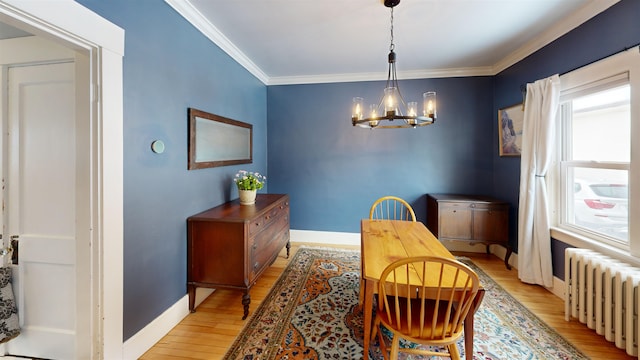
41, 194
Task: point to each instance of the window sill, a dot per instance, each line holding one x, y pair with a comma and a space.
580, 241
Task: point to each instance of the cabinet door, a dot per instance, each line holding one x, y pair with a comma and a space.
490, 225
455, 221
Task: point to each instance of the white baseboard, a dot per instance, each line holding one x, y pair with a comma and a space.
558, 287
325, 237
144, 339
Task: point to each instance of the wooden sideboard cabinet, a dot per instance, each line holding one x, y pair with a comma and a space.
474, 219
229, 246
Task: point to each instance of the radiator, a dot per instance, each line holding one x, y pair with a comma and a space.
602, 293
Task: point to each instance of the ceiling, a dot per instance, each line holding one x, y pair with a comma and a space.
316, 41
312, 41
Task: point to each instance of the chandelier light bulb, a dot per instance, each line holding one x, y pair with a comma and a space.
357, 108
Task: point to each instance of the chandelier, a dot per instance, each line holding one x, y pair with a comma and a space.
392, 106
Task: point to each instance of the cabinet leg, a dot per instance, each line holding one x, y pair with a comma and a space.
191, 290
506, 258
288, 248
246, 300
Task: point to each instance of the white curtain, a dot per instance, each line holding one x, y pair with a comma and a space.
538, 134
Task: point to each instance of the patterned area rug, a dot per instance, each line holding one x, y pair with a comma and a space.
312, 312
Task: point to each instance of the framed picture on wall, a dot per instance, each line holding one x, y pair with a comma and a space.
510, 120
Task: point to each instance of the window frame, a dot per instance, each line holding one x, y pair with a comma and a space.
588, 77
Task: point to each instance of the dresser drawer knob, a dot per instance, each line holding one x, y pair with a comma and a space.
255, 266
255, 246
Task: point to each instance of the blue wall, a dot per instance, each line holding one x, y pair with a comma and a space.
334, 171
168, 67
613, 30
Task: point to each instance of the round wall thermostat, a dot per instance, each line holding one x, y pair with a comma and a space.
157, 146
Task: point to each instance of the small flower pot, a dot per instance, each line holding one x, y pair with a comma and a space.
247, 197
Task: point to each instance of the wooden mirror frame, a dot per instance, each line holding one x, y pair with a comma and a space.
218, 141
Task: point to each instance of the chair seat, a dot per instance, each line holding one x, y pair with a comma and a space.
427, 333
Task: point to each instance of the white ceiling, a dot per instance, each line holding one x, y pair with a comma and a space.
312, 41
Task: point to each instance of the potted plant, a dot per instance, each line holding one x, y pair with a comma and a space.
248, 184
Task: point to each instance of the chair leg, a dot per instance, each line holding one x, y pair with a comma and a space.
453, 352
395, 347
374, 331
383, 346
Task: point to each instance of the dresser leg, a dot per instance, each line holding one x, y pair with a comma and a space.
246, 300
506, 258
191, 289
288, 248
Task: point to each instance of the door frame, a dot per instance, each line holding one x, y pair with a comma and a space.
104, 44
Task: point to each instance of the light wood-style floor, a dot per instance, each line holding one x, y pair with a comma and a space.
208, 333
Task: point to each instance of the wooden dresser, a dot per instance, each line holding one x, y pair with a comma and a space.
469, 218
229, 246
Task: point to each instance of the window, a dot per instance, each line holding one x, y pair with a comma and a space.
594, 177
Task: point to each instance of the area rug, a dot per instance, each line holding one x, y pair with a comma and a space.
312, 312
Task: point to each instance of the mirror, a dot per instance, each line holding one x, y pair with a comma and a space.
218, 141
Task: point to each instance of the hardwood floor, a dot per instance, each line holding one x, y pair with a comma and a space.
207, 333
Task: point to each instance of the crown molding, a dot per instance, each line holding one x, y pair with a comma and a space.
200, 22
403, 75
588, 11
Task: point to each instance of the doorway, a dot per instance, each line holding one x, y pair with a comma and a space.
102, 46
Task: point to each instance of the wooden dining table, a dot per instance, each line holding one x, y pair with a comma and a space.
385, 241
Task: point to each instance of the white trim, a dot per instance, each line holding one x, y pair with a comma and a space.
402, 75
558, 287
626, 61
112, 227
580, 241
69, 23
325, 237
78, 24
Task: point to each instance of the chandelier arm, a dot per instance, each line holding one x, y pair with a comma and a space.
390, 73
395, 84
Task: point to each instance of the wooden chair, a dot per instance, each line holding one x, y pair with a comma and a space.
392, 208
388, 208
428, 313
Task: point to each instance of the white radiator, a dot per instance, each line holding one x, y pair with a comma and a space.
603, 293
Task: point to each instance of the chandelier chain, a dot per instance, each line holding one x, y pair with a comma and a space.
391, 46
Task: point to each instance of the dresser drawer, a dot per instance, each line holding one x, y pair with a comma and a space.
279, 210
267, 245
